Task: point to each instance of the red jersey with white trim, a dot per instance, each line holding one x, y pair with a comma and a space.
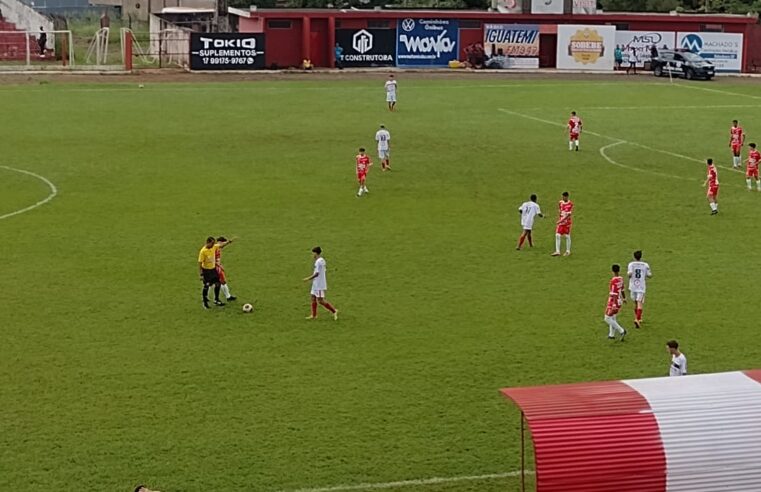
736, 135
754, 157
565, 209
713, 177
363, 162
615, 289
574, 125
218, 255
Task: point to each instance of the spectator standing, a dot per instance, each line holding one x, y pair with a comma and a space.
339, 56
618, 56
633, 60
678, 359
653, 52
42, 40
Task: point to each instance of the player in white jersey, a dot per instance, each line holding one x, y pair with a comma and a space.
383, 137
319, 285
638, 271
391, 93
678, 360
528, 210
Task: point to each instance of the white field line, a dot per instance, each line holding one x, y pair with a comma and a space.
252, 85
53, 192
629, 108
616, 139
717, 91
637, 169
421, 482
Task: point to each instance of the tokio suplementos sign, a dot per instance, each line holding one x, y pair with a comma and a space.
226, 51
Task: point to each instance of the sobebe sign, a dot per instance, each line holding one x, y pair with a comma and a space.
226, 51
724, 50
586, 47
427, 42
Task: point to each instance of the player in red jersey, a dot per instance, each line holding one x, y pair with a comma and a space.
363, 165
574, 130
222, 242
736, 141
751, 167
712, 184
563, 228
616, 296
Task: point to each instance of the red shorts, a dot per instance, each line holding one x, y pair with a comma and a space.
221, 275
361, 176
574, 136
751, 173
563, 229
713, 191
736, 148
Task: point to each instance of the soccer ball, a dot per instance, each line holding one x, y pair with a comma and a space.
247, 308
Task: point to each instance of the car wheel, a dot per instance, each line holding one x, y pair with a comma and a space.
709, 77
689, 74
658, 71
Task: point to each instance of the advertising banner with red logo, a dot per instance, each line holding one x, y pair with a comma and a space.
586, 47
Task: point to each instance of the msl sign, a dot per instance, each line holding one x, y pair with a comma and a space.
226, 51
367, 47
427, 42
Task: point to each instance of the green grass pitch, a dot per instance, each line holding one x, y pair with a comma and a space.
111, 374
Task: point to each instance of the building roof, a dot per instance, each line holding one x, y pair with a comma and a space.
613, 17
687, 434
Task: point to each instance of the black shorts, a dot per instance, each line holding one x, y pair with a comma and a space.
210, 276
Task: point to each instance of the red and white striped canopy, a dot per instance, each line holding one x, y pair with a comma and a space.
697, 433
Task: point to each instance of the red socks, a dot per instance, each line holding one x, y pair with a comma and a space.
329, 307
314, 309
638, 314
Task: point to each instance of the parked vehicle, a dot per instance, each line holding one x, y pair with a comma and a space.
682, 63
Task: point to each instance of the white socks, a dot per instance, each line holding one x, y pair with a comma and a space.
557, 243
359, 193
568, 243
714, 206
364, 188
226, 291
613, 326
570, 145
750, 185
736, 161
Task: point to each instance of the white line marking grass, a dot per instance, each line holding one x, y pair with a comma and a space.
53, 192
421, 482
618, 141
717, 91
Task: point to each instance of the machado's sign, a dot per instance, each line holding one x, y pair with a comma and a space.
427, 42
586, 47
226, 51
367, 47
724, 50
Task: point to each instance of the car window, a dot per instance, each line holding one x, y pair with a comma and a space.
678, 58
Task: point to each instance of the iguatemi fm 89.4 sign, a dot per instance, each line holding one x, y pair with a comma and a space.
427, 42
226, 51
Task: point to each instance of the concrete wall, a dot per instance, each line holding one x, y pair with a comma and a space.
26, 18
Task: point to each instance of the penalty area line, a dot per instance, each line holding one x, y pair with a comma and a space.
619, 141
53, 192
421, 482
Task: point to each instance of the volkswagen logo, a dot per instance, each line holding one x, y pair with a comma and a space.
693, 42
408, 25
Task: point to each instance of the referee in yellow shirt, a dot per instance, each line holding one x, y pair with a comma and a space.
207, 265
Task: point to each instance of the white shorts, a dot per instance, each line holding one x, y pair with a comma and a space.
384, 154
320, 294
391, 97
638, 297
527, 227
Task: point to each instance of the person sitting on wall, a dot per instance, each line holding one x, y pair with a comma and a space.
498, 60
307, 64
